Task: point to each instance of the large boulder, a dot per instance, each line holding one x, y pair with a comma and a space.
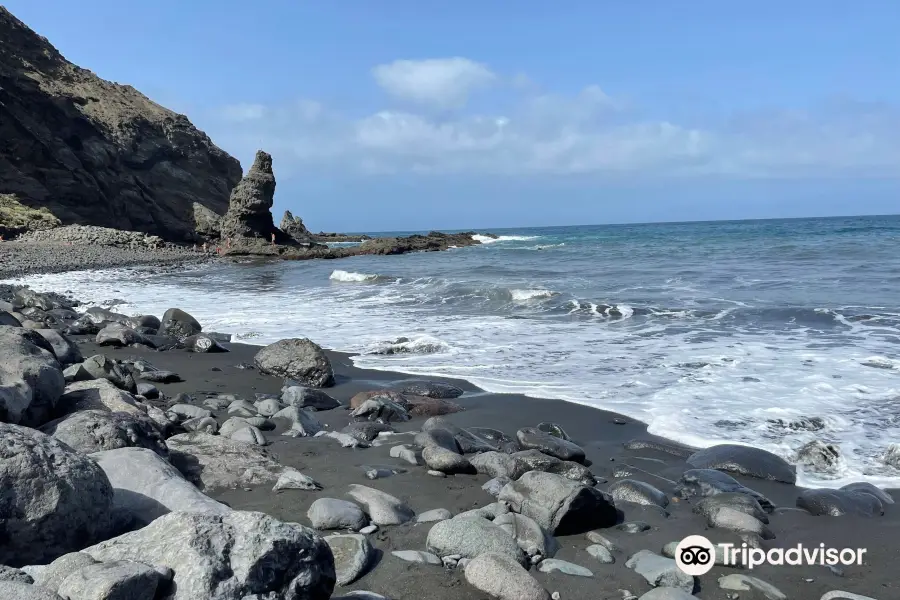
114, 580
230, 556
65, 350
836, 503
95, 430
118, 335
744, 460
178, 324
470, 537
559, 505
146, 487
96, 394
710, 482
31, 380
298, 359
55, 500
15, 590
215, 462
101, 367
503, 578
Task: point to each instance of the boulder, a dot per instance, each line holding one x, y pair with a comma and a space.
532, 438
95, 430
52, 575
498, 464
303, 422
8, 320
352, 556
820, 457
250, 435
835, 503
439, 438
332, 513
178, 324
504, 443
115, 580
96, 394
215, 462
431, 389
13, 574
868, 488
744, 460
118, 335
552, 565
16, 590
101, 367
740, 502
638, 492
470, 537
468, 442
531, 537
189, 411
725, 517
31, 380
445, 461
65, 350
202, 343
55, 499
306, 397
422, 406
535, 460
746, 583
298, 359
147, 487
557, 504
710, 482
503, 578
434, 515
230, 556
268, 407
292, 479
382, 508
158, 376
366, 431
380, 409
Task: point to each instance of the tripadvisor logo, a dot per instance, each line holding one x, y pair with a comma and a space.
696, 555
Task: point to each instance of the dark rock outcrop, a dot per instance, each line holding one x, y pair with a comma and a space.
83, 150
249, 216
294, 227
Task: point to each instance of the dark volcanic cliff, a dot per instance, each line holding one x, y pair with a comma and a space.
99, 153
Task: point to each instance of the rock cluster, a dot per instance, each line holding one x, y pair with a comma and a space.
94, 236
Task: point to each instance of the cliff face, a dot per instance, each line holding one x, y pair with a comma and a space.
97, 153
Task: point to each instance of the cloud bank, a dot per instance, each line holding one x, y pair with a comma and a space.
539, 133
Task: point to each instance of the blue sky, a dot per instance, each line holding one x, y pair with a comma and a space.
403, 114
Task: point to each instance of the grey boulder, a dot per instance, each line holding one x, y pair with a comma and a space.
298, 359
660, 571
55, 499
232, 556
470, 537
202, 343
333, 513
445, 461
638, 492
115, 580
559, 505
431, 389
532, 438
214, 462
744, 460
535, 460
178, 324
382, 508
502, 577
101, 367
15, 590
710, 482
836, 503
147, 487
533, 539
352, 556
119, 335
499, 464
66, 352
31, 380
96, 430
306, 397
96, 394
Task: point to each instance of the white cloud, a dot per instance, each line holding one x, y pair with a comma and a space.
243, 112
443, 83
554, 134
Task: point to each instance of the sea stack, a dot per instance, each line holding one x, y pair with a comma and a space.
250, 206
294, 227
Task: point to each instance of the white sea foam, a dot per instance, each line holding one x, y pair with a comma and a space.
484, 239
526, 295
686, 377
351, 277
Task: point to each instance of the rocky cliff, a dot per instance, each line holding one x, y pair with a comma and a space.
94, 152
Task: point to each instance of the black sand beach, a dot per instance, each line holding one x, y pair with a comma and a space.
602, 434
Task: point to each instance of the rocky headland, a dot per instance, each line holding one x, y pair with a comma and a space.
145, 458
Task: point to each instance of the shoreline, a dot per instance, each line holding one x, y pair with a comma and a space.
641, 525
809, 482
596, 431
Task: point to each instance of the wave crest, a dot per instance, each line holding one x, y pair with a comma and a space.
420, 345
351, 277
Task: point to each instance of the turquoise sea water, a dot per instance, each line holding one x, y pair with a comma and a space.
771, 333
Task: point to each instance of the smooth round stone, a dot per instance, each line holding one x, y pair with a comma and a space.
433, 516
533, 438
551, 565
601, 554
352, 554
415, 556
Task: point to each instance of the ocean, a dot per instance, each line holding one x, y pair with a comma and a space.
771, 333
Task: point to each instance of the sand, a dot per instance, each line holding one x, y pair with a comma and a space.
600, 433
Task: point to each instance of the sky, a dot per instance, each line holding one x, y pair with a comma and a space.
409, 115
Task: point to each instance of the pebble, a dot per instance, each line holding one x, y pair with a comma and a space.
434, 473
415, 556
601, 553
551, 565
369, 529
633, 527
